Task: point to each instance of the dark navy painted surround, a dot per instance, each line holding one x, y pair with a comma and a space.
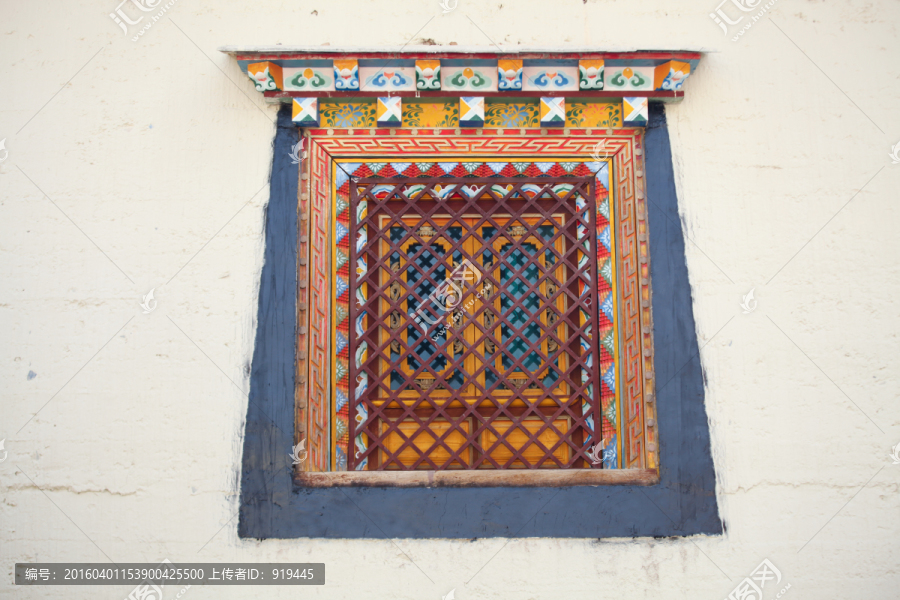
683, 503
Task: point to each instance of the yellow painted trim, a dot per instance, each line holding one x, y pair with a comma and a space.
617, 321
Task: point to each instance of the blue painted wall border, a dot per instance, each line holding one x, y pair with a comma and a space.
683, 503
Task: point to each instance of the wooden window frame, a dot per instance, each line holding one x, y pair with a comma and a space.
485, 421
326, 147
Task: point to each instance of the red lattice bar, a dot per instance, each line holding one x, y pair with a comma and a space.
473, 316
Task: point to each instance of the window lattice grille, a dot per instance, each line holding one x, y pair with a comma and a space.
473, 303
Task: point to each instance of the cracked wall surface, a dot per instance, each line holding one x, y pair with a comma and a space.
139, 166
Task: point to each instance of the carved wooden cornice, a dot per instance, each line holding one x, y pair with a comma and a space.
302, 75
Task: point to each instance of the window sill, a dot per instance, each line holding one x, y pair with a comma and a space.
467, 479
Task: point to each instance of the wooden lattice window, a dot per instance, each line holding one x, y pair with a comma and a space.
473, 343
334, 405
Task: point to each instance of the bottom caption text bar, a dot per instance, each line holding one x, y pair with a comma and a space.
168, 573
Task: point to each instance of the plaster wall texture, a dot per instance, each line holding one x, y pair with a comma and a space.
139, 165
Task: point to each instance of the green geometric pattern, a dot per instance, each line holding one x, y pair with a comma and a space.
342, 205
610, 413
340, 259
609, 342
341, 314
606, 271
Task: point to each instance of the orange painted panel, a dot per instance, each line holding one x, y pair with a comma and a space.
424, 440
517, 439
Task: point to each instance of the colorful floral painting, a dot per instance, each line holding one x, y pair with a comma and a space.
594, 114
674, 80
347, 114
509, 74
346, 75
502, 114
670, 76
428, 74
307, 79
265, 75
431, 114
628, 78
388, 79
591, 74
550, 78
334, 113
468, 78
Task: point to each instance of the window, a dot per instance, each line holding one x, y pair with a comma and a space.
595, 439
473, 345
426, 433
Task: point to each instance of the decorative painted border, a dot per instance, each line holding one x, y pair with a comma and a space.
345, 169
316, 418
432, 113
368, 145
410, 73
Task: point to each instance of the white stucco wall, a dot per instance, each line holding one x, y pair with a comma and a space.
158, 152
